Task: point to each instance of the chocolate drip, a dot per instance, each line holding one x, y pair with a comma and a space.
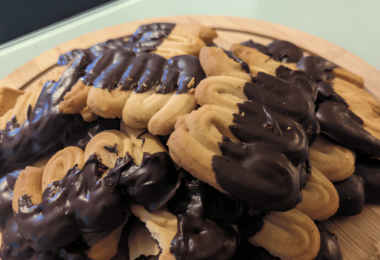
151, 184
282, 51
44, 126
146, 38
329, 249
268, 166
345, 127
7, 184
369, 169
318, 68
326, 92
139, 137
112, 149
351, 196
201, 238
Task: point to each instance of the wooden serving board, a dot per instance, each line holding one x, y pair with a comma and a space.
358, 236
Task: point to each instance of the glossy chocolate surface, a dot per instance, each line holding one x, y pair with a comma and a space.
7, 184
45, 125
326, 92
369, 169
329, 249
146, 38
269, 165
351, 195
282, 51
344, 126
318, 68
122, 68
199, 238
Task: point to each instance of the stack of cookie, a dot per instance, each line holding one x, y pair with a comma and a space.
156, 146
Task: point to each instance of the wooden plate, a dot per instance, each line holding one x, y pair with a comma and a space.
358, 236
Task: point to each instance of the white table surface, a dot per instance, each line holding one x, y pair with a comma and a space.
350, 24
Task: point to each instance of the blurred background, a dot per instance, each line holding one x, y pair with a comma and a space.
30, 27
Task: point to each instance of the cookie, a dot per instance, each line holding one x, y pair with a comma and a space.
148, 91
133, 164
162, 225
165, 39
140, 242
334, 161
348, 114
32, 127
320, 198
202, 137
288, 235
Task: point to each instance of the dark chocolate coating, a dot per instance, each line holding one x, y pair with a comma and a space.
282, 51
146, 38
199, 238
329, 249
268, 165
351, 195
144, 72
326, 92
7, 184
151, 184
344, 126
80, 202
318, 68
369, 169
45, 125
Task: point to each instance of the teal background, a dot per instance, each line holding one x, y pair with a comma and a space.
350, 24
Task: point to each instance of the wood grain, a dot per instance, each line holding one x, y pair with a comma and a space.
358, 236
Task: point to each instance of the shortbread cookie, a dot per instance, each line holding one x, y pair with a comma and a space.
320, 198
277, 50
140, 170
351, 195
355, 126
289, 235
334, 161
32, 127
140, 242
162, 225
165, 39
202, 137
148, 91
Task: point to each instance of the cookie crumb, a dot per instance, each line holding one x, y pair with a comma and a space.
242, 114
288, 128
191, 83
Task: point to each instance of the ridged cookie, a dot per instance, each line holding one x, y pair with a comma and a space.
289, 235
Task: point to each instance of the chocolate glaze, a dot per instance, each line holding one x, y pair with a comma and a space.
369, 169
326, 92
7, 184
351, 195
318, 68
345, 127
329, 249
278, 50
247, 251
269, 165
146, 38
151, 184
142, 73
44, 126
201, 238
